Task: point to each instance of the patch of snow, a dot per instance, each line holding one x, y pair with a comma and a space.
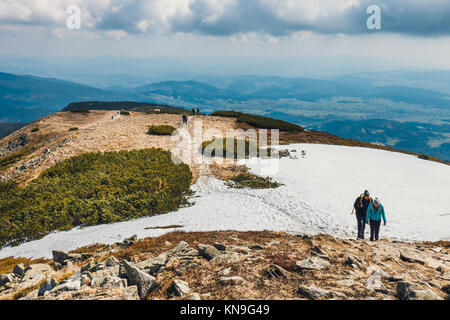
317, 197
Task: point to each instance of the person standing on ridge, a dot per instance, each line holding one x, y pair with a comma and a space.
374, 214
361, 204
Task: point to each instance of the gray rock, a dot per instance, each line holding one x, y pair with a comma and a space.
412, 291
353, 262
145, 282
179, 288
374, 283
224, 272
313, 263
112, 262
256, 247
446, 289
228, 257
346, 282
411, 257
220, 246
19, 270
88, 267
275, 271
64, 287
48, 285
314, 292
153, 265
6, 278
231, 280
208, 252
60, 256
192, 296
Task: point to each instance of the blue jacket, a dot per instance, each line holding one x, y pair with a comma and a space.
374, 213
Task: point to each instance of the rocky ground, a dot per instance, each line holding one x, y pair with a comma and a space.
235, 265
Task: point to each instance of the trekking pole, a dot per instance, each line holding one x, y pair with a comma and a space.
353, 211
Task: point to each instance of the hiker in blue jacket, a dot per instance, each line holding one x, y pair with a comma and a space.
375, 212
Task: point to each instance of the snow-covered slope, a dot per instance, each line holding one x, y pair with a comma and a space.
317, 197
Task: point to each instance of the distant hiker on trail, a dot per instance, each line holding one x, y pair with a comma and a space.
374, 214
185, 119
198, 111
193, 111
361, 204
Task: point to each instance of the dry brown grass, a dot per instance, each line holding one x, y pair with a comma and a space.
7, 264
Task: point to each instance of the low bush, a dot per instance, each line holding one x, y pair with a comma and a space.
35, 130
163, 130
423, 156
92, 189
249, 180
80, 111
260, 121
124, 113
73, 129
219, 147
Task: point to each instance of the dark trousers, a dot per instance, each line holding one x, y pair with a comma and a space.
361, 220
374, 229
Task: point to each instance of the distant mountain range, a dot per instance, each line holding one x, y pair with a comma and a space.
27, 98
411, 118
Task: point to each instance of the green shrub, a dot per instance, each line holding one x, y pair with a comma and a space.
35, 130
260, 121
248, 180
227, 114
92, 189
217, 145
125, 113
163, 130
80, 111
73, 129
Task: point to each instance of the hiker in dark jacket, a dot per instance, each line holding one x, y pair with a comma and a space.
361, 204
374, 214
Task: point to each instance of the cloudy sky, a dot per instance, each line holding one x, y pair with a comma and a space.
413, 31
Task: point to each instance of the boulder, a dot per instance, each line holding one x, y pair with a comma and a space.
412, 291
72, 285
275, 271
411, 257
112, 262
313, 263
446, 289
374, 283
192, 296
6, 278
352, 261
19, 270
63, 258
313, 292
145, 282
255, 247
207, 251
48, 285
228, 257
153, 265
220, 246
231, 280
179, 288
